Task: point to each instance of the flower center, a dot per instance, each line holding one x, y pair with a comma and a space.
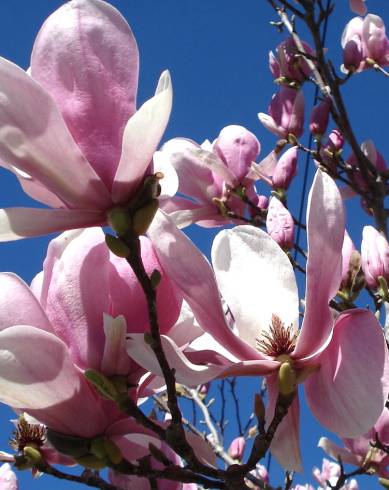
278, 340
27, 434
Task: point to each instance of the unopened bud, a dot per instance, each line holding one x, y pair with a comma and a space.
285, 169
117, 246
236, 448
259, 407
119, 220
286, 379
144, 216
375, 256
319, 118
103, 385
279, 224
112, 451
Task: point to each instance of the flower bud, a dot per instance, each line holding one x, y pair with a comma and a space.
375, 256
237, 148
319, 118
236, 448
358, 6
347, 250
285, 169
279, 224
288, 66
352, 54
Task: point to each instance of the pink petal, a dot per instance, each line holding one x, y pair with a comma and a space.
336, 451
86, 57
128, 299
285, 446
358, 6
34, 138
17, 223
14, 293
186, 372
190, 271
74, 308
256, 280
141, 137
325, 228
354, 364
38, 376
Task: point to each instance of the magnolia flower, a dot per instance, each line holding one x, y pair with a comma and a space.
288, 66
360, 452
365, 43
208, 174
286, 113
257, 282
75, 317
8, 480
70, 130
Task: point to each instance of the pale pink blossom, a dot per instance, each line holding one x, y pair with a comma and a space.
285, 169
330, 472
285, 113
257, 283
237, 447
359, 451
208, 175
70, 130
375, 256
8, 480
365, 43
76, 317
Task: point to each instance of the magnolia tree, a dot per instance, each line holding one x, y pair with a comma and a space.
112, 358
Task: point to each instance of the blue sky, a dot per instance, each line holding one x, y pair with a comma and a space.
217, 54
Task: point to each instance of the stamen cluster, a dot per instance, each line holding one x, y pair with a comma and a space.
278, 340
27, 434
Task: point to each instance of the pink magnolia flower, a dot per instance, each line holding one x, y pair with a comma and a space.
237, 447
287, 65
286, 113
8, 480
359, 452
330, 472
70, 130
319, 117
76, 316
365, 43
375, 256
207, 175
257, 282
285, 169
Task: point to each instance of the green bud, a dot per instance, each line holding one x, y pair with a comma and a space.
103, 385
383, 288
144, 216
32, 455
155, 278
286, 379
119, 220
97, 447
69, 445
112, 451
21, 463
117, 246
91, 461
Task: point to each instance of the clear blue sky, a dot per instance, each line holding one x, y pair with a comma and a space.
217, 54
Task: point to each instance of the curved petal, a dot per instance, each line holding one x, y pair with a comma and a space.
337, 452
190, 271
86, 57
141, 137
75, 307
325, 229
34, 138
186, 372
285, 446
354, 364
38, 376
256, 280
17, 223
14, 293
